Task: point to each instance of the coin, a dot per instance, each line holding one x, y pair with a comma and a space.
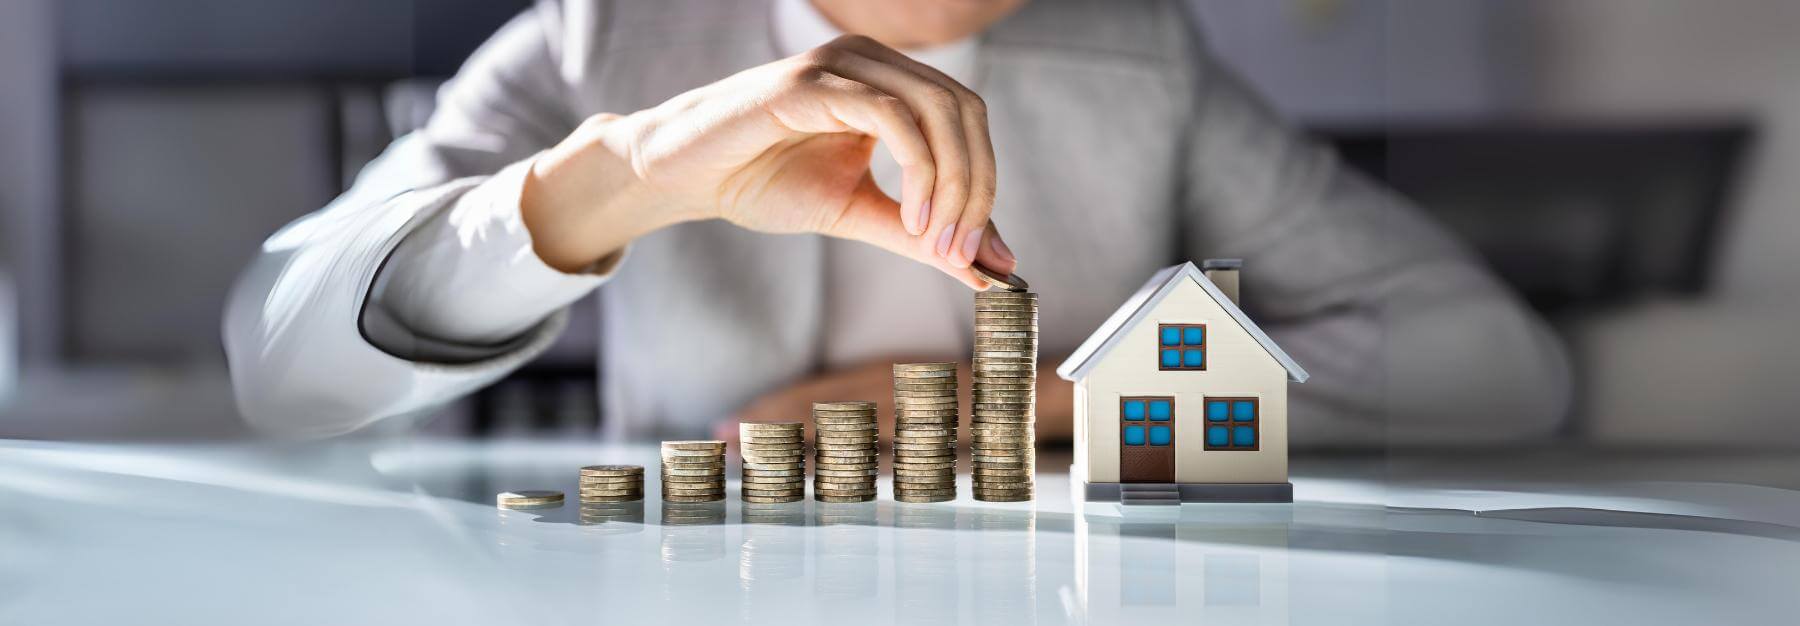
701, 498
929, 499
773, 500
712, 445
856, 405
613, 470
770, 427
610, 499
529, 499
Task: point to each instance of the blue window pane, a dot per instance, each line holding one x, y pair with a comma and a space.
1216, 436
1193, 358
1243, 436
1161, 410
1134, 409
1171, 336
1217, 411
1134, 435
1243, 410
1171, 358
1193, 336
1160, 435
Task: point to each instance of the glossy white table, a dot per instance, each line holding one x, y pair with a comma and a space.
404, 533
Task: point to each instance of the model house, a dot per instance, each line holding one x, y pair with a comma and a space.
1179, 397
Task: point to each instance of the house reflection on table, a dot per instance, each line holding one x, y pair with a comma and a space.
1197, 563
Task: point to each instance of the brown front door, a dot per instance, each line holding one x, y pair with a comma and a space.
1147, 439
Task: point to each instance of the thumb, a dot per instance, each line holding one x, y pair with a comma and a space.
874, 218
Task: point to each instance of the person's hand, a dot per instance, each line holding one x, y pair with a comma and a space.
784, 148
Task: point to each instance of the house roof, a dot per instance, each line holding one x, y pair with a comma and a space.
1139, 305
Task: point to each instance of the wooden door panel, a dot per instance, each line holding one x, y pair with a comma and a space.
1142, 457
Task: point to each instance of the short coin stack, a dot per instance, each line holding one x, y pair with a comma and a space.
612, 483
1004, 391
844, 451
924, 432
693, 471
774, 462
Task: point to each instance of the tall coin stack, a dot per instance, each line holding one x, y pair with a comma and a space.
693, 471
844, 452
602, 484
924, 432
1005, 395
774, 462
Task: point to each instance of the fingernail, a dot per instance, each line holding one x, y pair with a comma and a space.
924, 217
943, 246
972, 243
1005, 253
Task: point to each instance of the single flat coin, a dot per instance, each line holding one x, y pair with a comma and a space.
924, 491
776, 493
924, 434
924, 478
674, 472
1024, 497
913, 499
908, 467
693, 499
610, 499
846, 429
1008, 282
711, 484
714, 445
819, 497
693, 455
845, 473
761, 427
710, 475
613, 470
529, 499
870, 492
852, 405
773, 499
993, 474
848, 464
771, 473
610, 481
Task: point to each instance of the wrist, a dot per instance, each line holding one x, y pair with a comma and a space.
583, 201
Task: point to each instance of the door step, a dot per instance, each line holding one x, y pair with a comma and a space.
1149, 493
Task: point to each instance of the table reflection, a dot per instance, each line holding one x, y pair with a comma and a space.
926, 585
1225, 564
1003, 547
845, 554
770, 558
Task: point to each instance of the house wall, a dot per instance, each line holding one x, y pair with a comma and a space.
1237, 366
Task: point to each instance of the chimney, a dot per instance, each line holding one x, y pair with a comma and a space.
1224, 274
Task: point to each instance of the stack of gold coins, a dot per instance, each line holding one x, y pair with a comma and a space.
924, 432
774, 462
693, 471
612, 483
1004, 391
844, 452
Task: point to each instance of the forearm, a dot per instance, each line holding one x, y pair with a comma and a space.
584, 202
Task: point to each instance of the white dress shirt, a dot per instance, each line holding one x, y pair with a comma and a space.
1123, 146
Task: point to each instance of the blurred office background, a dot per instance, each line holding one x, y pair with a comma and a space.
1626, 164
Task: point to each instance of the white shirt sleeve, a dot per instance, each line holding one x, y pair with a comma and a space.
466, 285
